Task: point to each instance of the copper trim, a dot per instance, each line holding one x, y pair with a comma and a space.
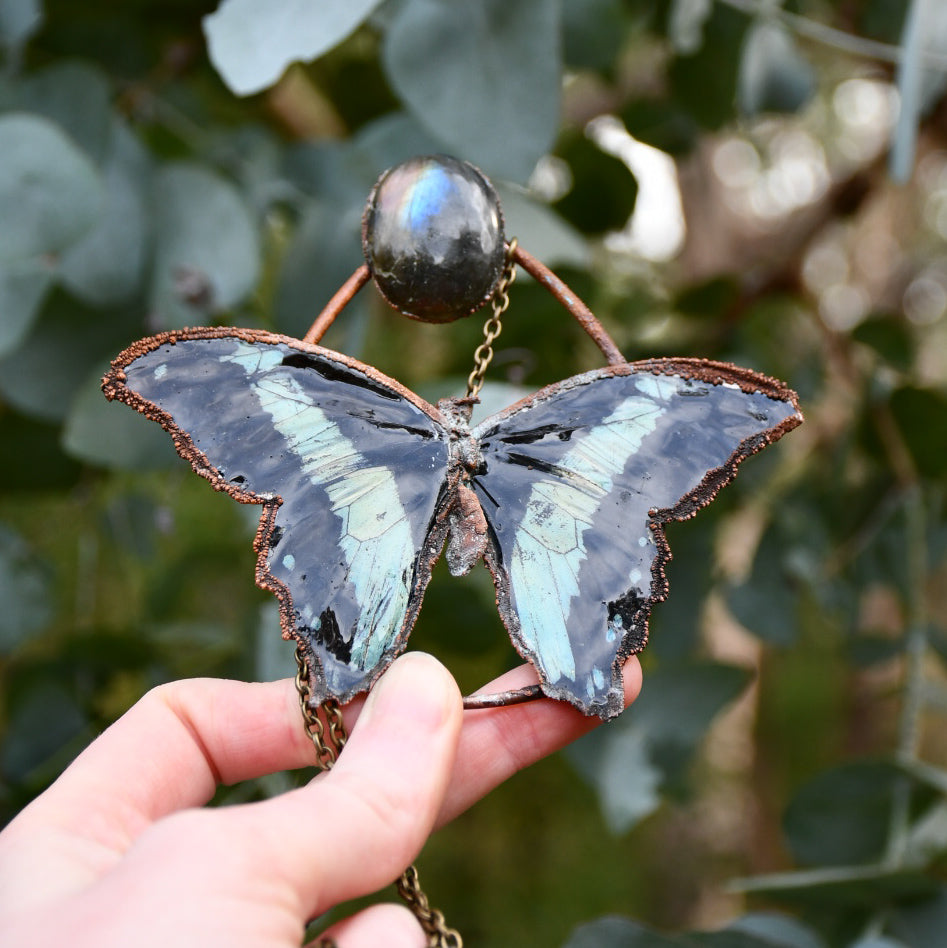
342, 297
502, 699
576, 308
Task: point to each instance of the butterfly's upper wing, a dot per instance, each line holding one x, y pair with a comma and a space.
576, 483
349, 465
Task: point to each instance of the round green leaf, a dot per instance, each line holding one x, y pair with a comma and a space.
921, 416
76, 97
41, 377
842, 816
50, 194
766, 602
23, 288
26, 590
107, 265
616, 932
19, 20
110, 434
773, 75
293, 30
207, 255
482, 76
325, 250
778, 930
541, 230
922, 924
603, 190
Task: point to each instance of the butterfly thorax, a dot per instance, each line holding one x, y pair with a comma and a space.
467, 524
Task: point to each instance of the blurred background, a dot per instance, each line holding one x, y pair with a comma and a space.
758, 181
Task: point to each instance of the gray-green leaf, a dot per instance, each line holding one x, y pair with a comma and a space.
50, 193
483, 76
252, 43
207, 254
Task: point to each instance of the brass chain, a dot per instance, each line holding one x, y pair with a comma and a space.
432, 920
483, 355
327, 751
328, 747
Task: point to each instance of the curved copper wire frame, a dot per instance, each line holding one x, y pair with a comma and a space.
575, 307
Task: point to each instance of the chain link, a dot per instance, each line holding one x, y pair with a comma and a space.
327, 752
432, 920
483, 355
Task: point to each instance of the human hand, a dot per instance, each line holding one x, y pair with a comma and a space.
119, 852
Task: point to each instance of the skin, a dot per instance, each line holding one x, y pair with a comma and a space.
121, 850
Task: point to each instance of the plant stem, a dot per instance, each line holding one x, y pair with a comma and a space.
909, 725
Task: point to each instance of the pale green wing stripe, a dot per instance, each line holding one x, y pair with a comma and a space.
550, 550
376, 538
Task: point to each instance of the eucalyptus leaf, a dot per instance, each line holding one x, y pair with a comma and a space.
251, 43
19, 20
773, 77
26, 591
615, 932
44, 728
765, 602
50, 193
593, 32
603, 192
107, 265
324, 252
621, 771
483, 76
921, 924
110, 434
23, 287
686, 20
273, 658
779, 930
841, 816
207, 254
540, 230
44, 373
75, 96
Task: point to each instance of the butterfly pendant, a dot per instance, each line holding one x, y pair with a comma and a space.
564, 495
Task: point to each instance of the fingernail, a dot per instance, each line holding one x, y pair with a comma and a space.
416, 687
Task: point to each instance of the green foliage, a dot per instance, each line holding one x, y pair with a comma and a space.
161, 166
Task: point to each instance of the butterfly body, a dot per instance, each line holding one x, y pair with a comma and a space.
563, 495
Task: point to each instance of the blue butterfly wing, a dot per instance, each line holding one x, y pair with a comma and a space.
349, 466
576, 483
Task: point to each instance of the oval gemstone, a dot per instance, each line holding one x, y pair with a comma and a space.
432, 234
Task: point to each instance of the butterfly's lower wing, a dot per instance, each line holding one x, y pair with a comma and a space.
349, 467
576, 484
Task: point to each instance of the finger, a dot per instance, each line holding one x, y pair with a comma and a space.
499, 742
347, 833
175, 745
385, 924
167, 753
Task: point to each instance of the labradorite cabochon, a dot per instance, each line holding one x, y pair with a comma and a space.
432, 234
